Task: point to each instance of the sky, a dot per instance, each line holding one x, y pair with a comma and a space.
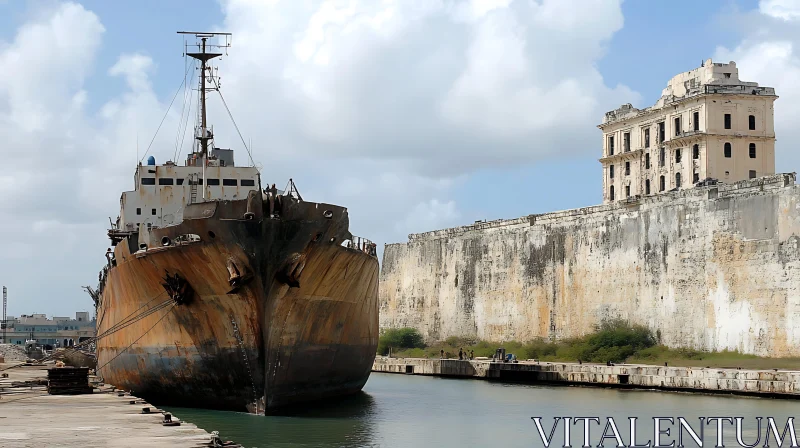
414, 114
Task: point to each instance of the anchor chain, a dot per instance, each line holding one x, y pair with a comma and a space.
238, 337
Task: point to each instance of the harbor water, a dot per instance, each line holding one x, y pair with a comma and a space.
396, 410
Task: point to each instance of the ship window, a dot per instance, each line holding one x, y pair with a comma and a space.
248, 183
179, 181
229, 182
148, 181
212, 181
138, 211
165, 181
153, 211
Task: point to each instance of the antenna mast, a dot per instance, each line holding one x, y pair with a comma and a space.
205, 52
4, 323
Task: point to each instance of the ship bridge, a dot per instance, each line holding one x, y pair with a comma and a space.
162, 192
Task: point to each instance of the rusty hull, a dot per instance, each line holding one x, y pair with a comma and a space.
278, 312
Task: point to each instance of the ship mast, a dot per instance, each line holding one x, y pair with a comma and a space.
206, 52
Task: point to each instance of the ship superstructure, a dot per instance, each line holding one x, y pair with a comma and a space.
222, 294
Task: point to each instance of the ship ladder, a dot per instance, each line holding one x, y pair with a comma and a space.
192, 189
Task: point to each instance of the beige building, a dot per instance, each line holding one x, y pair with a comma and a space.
707, 124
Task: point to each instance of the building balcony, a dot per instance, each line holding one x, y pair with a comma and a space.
625, 155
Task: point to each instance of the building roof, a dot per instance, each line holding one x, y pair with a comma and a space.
710, 78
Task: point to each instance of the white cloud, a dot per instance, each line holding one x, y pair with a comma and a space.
782, 9
384, 107
770, 55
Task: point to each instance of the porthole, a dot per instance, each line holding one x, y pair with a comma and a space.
165, 241
333, 239
328, 214
212, 234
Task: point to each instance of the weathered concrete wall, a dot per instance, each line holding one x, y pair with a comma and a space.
710, 268
754, 382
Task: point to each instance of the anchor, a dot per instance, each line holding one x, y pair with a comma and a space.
235, 278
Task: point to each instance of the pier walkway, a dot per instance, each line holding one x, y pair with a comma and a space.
29, 417
769, 383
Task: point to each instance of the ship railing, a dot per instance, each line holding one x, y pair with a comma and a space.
362, 244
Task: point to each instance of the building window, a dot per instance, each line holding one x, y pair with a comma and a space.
662, 184
179, 181
611, 193
696, 120
728, 150
752, 174
627, 191
611, 171
647, 138
627, 168
661, 132
647, 186
661, 156
727, 75
229, 182
727, 121
626, 141
696, 151
138, 211
153, 212
677, 180
678, 155
212, 181
148, 181
611, 145
696, 177
165, 181
752, 122
248, 183
647, 161
752, 150
677, 126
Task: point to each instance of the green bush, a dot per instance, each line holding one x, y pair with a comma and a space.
399, 339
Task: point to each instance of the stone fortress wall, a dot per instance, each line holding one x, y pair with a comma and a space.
710, 268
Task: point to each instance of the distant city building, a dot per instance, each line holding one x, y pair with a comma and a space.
707, 124
56, 332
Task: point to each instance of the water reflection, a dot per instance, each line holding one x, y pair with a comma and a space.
346, 422
404, 410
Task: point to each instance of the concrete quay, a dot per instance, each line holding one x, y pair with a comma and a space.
30, 417
767, 383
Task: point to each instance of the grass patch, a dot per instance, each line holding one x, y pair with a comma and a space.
615, 341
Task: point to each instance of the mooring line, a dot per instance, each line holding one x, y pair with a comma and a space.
137, 339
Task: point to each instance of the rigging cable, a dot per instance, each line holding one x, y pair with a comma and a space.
225, 103
186, 92
165, 114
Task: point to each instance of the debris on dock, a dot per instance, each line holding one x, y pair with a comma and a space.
68, 381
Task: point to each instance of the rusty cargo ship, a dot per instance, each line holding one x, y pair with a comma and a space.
222, 293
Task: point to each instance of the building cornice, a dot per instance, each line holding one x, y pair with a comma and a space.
663, 109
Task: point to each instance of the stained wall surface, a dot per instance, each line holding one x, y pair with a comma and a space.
709, 268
